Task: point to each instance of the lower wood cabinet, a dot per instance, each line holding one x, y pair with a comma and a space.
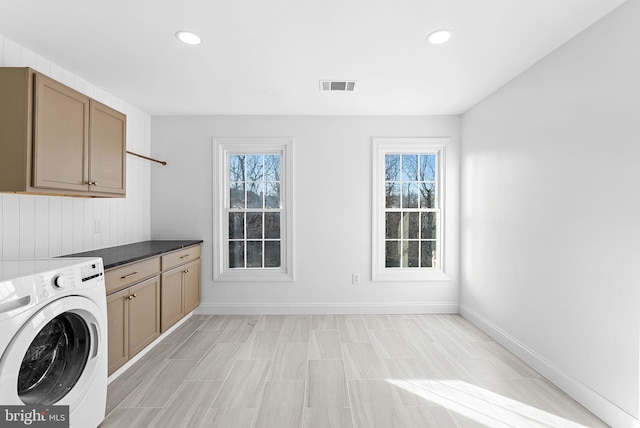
171, 307
191, 287
147, 297
133, 320
180, 293
118, 329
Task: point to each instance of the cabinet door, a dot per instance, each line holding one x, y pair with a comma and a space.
191, 286
61, 136
118, 333
108, 148
16, 127
172, 297
144, 314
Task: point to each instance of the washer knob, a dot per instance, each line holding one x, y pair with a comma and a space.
59, 281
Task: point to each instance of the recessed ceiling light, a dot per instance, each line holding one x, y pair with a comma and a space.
439, 36
188, 37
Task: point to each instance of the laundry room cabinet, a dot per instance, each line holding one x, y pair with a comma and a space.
56, 140
133, 320
180, 293
147, 294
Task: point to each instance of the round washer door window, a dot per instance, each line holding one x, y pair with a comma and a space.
54, 360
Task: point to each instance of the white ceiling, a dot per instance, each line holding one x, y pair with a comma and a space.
267, 57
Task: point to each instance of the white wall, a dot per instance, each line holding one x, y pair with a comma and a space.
49, 226
551, 215
332, 162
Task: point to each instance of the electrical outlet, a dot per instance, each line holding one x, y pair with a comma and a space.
97, 226
355, 279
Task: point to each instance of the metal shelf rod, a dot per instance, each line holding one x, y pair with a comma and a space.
147, 158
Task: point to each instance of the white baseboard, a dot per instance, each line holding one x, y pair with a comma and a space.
326, 308
590, 399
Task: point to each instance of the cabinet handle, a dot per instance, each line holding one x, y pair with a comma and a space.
128, 275
133, 296
185, 271
93, 183
186, 255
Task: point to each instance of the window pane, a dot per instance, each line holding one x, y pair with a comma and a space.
410, 225
272, 225
254, 254
255, 170
236, 195
409, 195
427, 195
392, 167
392, 195
428, 254
411, 213
272, 167
272, 254
409, 167
236, 254
253, 208
236, 225
255, 192
428, 167
428, 229
392, 225
254, 225
410, 253
272, 199
392, 254
236, 168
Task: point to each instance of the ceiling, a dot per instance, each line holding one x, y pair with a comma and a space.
267, 57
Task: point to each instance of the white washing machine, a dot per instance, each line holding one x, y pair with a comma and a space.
53, 336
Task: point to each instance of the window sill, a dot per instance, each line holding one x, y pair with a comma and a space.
409, 275
253, 275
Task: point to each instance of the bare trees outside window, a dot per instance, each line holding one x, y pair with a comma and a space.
409, 217
254, 211
411, 212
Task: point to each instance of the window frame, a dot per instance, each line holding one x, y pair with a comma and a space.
223, 148
405, 146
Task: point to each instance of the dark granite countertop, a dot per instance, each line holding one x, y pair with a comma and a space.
123, 254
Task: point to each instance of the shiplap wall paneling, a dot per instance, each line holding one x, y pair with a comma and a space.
48, 226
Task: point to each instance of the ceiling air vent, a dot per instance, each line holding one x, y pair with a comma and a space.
337, 85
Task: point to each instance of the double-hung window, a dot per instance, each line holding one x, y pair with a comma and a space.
253, 225
254, 211
408, 207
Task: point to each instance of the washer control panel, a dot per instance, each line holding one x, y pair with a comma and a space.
91, 271
26, 283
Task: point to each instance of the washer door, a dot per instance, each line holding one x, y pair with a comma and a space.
52, 358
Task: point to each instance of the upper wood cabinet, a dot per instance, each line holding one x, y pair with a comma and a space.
107, 149
55, 140
61, 136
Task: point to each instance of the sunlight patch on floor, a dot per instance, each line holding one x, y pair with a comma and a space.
483, 406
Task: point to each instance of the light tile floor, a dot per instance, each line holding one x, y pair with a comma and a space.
336, 371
